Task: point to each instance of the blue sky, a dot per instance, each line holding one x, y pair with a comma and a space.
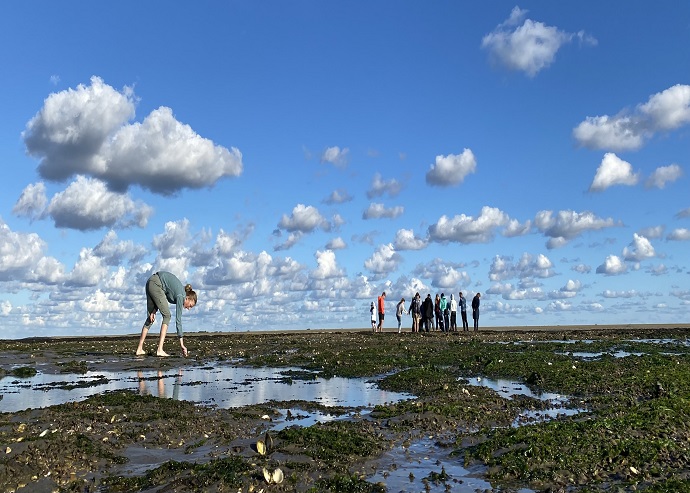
292, 160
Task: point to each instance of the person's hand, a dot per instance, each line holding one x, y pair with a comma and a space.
152, 317
184, 349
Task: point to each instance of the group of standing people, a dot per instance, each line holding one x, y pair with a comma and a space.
439, 314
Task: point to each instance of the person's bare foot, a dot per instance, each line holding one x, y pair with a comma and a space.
162, 353
141, 352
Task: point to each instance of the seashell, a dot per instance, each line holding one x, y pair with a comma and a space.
8, 450
20, 439
43, 433
112, 420
266, 417
268, 441
275, 477
633, 470
21, 428
261, 447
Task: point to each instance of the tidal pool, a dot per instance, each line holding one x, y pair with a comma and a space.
426, 466
423, 466
223, 386
509, 388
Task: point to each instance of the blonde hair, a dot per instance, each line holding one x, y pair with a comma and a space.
190, 293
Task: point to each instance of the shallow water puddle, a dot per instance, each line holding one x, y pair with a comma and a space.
509, 388
424, 467
594, 356
429, 467
225, 387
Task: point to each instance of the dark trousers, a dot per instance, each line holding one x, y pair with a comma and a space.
453, 321
475, 316
446, 321
465, 325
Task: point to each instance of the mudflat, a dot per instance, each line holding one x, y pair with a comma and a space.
619, 422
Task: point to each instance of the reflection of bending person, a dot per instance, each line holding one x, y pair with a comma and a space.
161, 384
143, 390
163, 288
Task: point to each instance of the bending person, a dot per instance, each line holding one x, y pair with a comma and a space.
163, 288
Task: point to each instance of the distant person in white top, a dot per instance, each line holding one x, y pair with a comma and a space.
373, 316
453, 314
399, 310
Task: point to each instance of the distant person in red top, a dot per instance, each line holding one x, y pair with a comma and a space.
382, 309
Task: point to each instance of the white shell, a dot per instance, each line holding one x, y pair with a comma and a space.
261, 447
276, 477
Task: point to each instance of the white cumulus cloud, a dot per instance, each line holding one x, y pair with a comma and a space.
566, 225
378, 211
32, 202
613, 171
87, 204
528, 46
86, 131
384, 260
336, 156
640, 248
336, 244
612, 266
451, 169
679, 234
663, 175
405, 239
327, 265
379, 187
626, 131
467, 229
304, 218
338, 196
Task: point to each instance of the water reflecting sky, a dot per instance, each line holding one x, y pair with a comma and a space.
224, 386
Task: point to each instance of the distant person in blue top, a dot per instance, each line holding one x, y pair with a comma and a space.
163, 288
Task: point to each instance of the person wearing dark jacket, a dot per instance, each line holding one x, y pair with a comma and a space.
416, 312
475, 311
428, 312
463, 311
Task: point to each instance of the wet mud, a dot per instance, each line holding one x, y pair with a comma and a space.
586, 410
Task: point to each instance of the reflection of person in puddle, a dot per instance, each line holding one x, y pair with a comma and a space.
161, 384
163, 288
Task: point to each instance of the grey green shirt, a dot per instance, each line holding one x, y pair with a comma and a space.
175, 293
